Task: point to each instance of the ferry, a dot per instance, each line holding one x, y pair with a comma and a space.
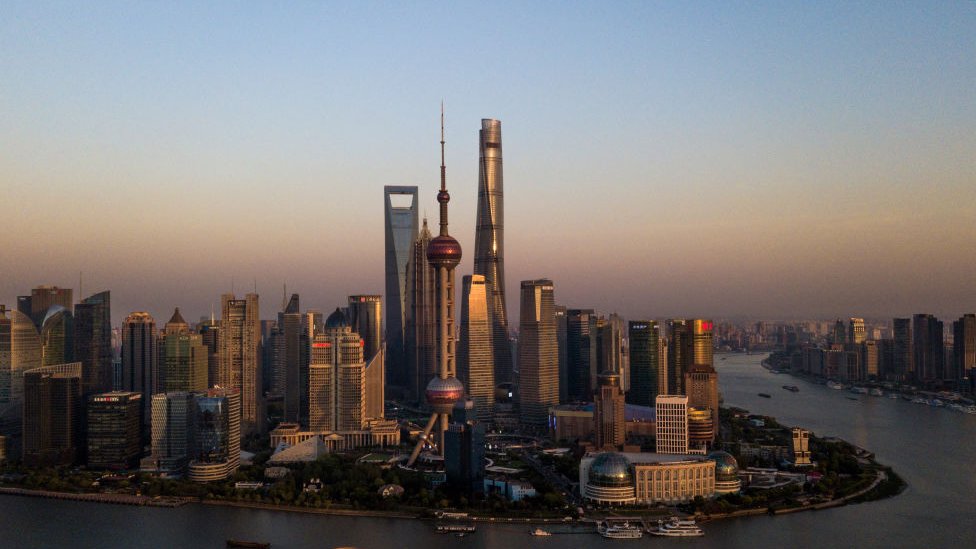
792, 388
619, 531
455, 528
248, 544
677, 528
539, 532
765, 395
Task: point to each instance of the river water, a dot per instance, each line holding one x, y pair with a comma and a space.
933, 449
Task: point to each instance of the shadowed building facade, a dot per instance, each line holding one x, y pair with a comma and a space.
93, 342
538, 355
489, 247
581, 352
648, 365
421, 364
400, 221
140, 367
183, 359
366, 319
52, 415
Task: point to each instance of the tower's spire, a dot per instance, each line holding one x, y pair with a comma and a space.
443, 197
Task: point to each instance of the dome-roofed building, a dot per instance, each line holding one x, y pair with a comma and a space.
726, 472
610, 479
336, 320
630, 478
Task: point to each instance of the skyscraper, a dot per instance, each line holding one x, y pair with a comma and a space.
183, 359
964, 346
608, 411
290, 354
611, 353
421, 321
400, 224
476, 369
671, 412
140, 370
57, 336
856, 333
680, 354
927, 347
172, 430
114, 430
464, 448
581, 352
25, 353
240, 369
538, 355
210, 334
345, 391
489, 247
562, 329
43, 298
443, 254
52, 415
648, 375
901, 355
365, 319
5, 360
216, 431
93, 342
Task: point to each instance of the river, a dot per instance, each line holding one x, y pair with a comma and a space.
932, 449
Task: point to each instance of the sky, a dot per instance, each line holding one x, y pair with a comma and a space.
661, 159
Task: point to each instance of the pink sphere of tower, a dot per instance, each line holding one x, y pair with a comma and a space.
443, 393
445, 251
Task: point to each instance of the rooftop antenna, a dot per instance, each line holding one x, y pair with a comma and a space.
211, 313
231, 284
255, 284
284, 295
81, 287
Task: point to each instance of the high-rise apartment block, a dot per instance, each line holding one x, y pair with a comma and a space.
964, 347
901, 354
538, 355
489, 248
928, 347
240, 368
671, 412
801, 447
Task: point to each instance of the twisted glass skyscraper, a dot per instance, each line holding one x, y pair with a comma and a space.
489, 247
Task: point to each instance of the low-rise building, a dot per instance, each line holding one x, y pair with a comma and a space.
613, 478
513, 490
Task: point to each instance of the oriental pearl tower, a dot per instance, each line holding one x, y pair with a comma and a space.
443, 254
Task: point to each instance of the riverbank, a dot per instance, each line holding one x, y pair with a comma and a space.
116, 499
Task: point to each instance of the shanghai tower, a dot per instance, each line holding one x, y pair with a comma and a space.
489, 247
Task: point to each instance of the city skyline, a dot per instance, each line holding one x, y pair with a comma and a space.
765, 162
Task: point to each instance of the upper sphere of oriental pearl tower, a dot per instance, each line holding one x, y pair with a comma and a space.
444, 250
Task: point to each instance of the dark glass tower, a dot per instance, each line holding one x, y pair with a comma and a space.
400, 224
581, 352
489, 243
93, 343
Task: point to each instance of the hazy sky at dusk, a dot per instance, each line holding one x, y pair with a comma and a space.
661, 159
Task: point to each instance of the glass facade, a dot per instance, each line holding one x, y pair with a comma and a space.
401, 226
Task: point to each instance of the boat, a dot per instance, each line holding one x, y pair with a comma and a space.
792, 388
619, 531
893, 396
455, 528
834, 385
677, 528
248, 544
877, 392
919, 400
936, 402
853, 398
540, 532
765, 395
859, 390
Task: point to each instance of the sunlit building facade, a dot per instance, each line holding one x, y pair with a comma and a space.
538, 355
240, 368
476, 369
